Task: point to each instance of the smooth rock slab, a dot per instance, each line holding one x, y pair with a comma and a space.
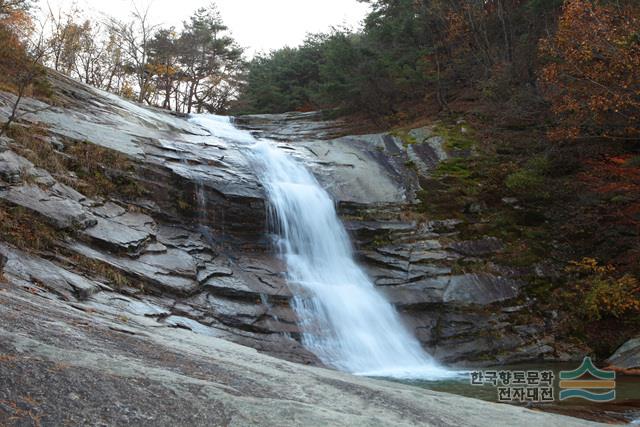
174, 260
34, 270
153, 275
81, 367
427, 291
480, 289
627, 356
109, 210
62, 213
117, 236
117, 303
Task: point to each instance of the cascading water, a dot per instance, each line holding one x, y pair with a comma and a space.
345, 321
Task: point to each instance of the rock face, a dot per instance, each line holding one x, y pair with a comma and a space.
113, 361
627, 356
176, 158
193, 251
461, 318
192, 248
461, 313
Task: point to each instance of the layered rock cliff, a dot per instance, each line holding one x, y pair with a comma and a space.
134, 251
188, 245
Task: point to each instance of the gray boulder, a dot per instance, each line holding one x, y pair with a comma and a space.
627, 356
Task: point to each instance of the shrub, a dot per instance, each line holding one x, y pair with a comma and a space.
597, 292
527, 184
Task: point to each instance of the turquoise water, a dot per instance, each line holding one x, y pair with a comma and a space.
624, 409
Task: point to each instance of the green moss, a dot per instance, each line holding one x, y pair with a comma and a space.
527, 184
458, 137
455, 167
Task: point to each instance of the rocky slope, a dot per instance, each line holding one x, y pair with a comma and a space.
78, 364
190, 246
462, 315
116, 278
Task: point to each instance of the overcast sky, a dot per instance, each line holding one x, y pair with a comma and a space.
259, 25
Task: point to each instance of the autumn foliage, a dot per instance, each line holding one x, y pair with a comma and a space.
599, 292
14, 24
592, 71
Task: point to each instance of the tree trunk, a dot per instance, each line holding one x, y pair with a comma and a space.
14, 110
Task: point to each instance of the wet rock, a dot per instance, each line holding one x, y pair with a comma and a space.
236, 287
385, 260
120, 377
467, 289
367, 169
469, 347
627, 356
366, 232
199, 259
167, 169
351, 173
178, 237
192, 325
386, 276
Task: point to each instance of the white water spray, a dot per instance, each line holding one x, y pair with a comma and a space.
345, 321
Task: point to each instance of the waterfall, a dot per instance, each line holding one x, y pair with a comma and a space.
345, 321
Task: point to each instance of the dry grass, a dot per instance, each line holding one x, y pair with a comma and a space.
98, 170
103, 172
30, 143
95, 268
25, 229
